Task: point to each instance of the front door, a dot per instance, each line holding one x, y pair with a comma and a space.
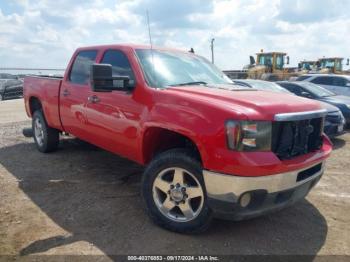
114, 117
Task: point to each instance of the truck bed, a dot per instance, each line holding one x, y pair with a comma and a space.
47, 90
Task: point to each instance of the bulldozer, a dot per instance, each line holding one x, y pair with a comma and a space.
269, 66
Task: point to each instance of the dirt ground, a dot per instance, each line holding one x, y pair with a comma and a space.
83, 200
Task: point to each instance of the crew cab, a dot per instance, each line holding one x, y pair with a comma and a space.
211, 148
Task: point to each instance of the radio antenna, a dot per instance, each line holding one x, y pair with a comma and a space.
149, 29
150, 41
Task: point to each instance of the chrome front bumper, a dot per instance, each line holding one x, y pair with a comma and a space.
267, 192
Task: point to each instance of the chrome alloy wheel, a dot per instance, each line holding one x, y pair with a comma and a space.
178, 194
39, 132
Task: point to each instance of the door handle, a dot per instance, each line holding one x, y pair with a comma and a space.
93, 99
65, 92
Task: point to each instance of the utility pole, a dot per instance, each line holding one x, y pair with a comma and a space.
212, 49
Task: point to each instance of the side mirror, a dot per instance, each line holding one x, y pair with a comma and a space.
306, 94
252, 60
287, 60
102, 79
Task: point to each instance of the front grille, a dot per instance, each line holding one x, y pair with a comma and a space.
295, 138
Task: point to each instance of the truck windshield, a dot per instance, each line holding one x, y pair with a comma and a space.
171, 68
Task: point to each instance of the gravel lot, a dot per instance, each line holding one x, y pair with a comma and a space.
83, 200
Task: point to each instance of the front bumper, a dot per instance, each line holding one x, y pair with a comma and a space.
237, 197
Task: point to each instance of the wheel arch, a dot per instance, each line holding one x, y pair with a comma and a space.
156, 140
34, 104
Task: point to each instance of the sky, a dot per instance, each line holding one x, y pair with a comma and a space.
44, 33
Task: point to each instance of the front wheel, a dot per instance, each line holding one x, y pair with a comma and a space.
174, 192
45, 137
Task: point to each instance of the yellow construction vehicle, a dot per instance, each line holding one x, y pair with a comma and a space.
331, 65
269, 66
308, 65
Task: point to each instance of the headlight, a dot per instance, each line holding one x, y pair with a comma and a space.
249, 135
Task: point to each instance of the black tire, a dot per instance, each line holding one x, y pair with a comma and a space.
50, 136
180, 158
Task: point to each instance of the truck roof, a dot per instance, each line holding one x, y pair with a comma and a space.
128, 45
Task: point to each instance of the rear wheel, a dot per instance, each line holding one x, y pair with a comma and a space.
174, 192
45, 137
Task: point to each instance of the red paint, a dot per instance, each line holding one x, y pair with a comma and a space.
124, 123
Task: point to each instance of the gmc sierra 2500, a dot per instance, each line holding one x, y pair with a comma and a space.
211, 148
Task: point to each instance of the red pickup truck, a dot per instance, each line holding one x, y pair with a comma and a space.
212, 149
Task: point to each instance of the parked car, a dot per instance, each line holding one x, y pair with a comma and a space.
338, 84
10, 86
312, 91
334, 124
211, 149
260, 85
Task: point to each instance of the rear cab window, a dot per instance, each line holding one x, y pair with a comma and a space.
80, 72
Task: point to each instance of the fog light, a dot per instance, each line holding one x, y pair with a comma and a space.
245, 200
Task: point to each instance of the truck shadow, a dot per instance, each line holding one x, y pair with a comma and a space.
94, 195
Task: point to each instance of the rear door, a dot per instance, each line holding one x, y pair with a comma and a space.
75, 91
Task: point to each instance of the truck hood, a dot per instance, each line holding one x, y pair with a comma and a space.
329, 107
254, 104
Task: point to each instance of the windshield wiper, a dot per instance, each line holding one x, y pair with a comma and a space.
190, 83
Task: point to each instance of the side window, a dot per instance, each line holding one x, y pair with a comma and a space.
323, 80
339, 81
120, 64
80, 72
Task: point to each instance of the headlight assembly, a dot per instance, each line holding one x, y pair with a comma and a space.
249, 135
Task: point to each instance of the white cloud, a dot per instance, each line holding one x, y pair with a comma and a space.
45, 33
